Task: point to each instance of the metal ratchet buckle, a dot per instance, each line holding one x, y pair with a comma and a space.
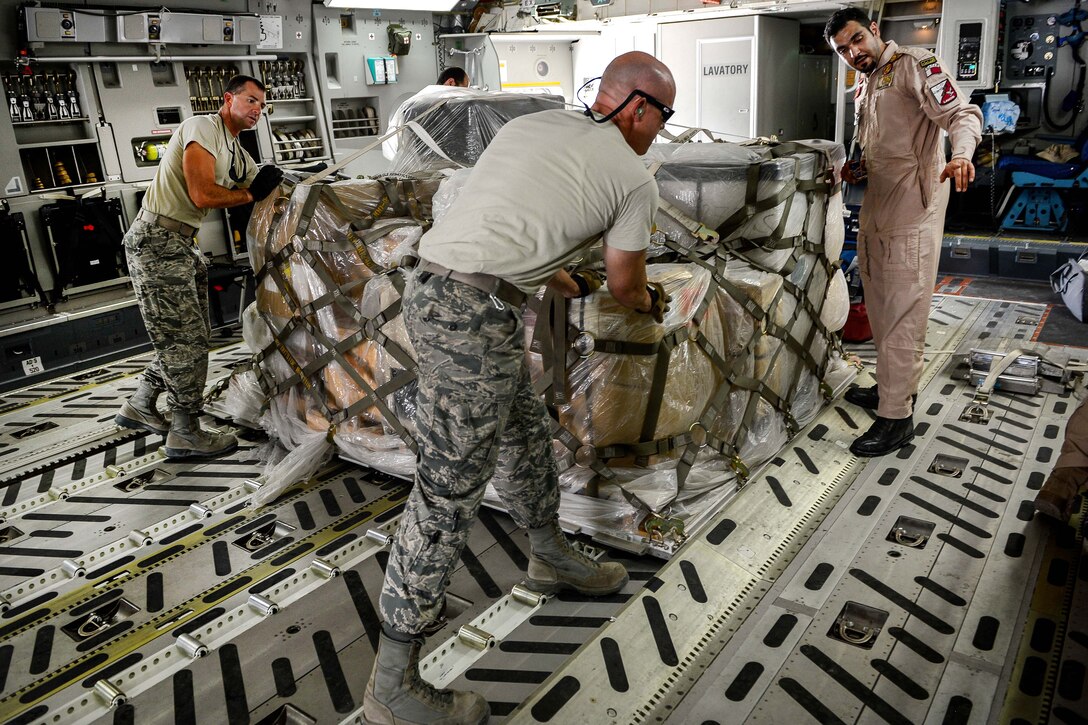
659, 528
705, 234
976, 412
740, 469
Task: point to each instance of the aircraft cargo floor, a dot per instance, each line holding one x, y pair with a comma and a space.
829, 588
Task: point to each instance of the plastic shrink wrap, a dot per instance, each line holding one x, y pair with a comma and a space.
660, 421
450, 128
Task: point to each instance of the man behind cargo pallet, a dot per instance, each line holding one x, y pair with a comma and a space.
546, 185
204, 167
453, 76
904, 100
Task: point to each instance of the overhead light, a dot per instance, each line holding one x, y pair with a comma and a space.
922, 24
430, 6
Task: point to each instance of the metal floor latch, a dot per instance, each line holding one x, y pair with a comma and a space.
858, 624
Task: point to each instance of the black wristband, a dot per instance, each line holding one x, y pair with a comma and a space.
583, 285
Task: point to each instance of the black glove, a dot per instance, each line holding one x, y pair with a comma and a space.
587, 280
265, 182
659, 301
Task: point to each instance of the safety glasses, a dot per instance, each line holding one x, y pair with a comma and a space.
666, 111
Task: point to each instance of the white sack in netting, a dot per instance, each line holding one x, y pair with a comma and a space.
746, 356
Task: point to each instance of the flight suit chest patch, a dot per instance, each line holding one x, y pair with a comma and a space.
891, 62
887, 73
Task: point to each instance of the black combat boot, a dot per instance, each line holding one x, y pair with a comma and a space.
140, 412
868, 397
397, 695
883, 437
554, 564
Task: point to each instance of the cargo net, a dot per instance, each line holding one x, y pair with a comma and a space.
654, 425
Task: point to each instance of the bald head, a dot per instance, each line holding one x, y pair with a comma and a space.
634, 88
636, 71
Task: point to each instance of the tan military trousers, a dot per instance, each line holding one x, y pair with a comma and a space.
898, 261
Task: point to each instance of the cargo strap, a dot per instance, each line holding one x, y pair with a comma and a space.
550, 340
429, 142
497, 288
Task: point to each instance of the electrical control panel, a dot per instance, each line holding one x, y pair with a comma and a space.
197, 28
43, 25
968, 41
51, 25
1031, 48
968, 52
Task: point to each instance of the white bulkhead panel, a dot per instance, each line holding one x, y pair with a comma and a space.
734, 76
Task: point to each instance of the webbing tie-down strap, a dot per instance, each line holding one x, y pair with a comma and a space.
429, 142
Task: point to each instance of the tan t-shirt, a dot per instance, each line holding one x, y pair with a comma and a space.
547, 182
168, 194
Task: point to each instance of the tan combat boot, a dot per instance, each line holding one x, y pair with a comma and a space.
139, 411
187, 439
397, 695
1055, 499
554, 564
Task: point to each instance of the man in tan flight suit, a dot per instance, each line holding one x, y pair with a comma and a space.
904, 101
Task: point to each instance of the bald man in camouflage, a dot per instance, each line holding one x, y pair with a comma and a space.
478, 415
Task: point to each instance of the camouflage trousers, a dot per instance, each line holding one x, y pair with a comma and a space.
170, 277
478, 420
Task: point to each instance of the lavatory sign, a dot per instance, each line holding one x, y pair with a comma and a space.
736, 69
725, 96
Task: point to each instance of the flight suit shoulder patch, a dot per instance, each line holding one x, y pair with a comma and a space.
931, 66
944, 92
